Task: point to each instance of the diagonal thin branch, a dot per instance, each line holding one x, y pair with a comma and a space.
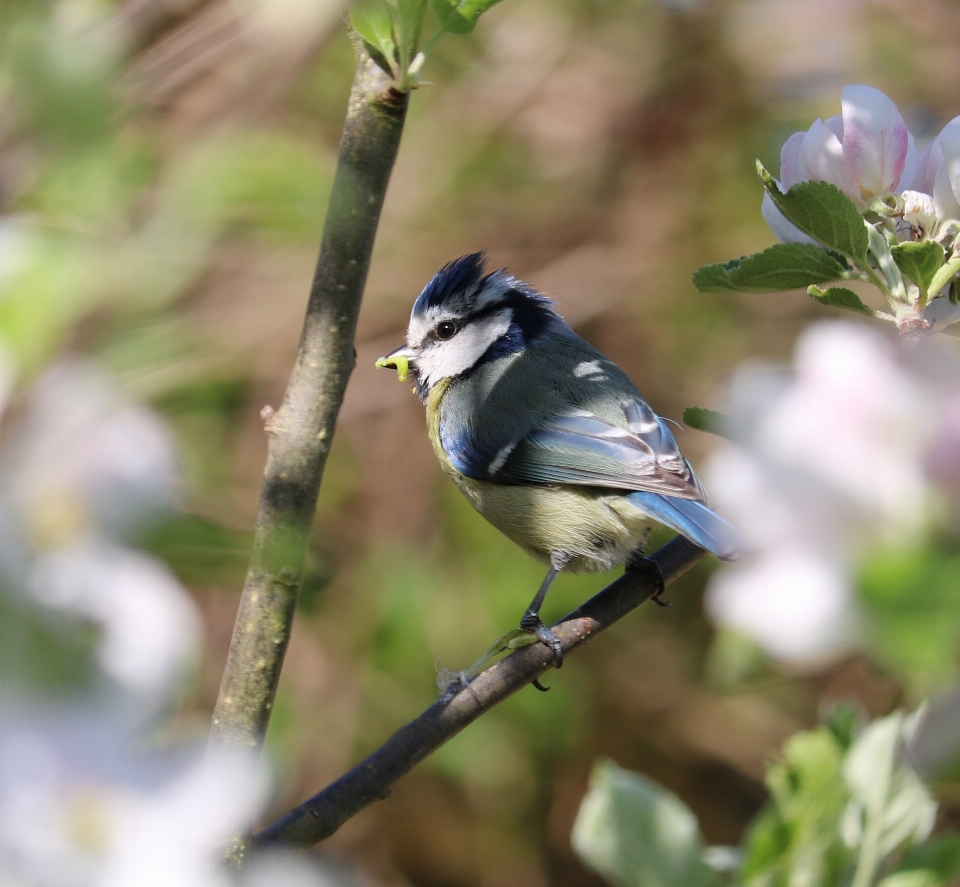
371, 779
301, 431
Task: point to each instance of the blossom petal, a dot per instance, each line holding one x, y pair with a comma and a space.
835, 125
920, 211
785, 231
875, 140
151, 627
822, 159
949, 172
941, 312
790, 161
793, 601
930, 163
943, 196
911, 166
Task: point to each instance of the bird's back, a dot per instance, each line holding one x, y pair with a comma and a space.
528, 389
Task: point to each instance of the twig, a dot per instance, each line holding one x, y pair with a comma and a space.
371, 779
301, 431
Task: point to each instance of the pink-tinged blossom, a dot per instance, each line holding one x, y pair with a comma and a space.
866, 152
848, 451
795, 602
939, 173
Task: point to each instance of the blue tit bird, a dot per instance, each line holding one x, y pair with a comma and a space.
546, 437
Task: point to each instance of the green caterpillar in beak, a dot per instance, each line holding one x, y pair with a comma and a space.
399, 362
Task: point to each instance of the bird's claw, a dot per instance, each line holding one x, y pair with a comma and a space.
535, 626
647, 565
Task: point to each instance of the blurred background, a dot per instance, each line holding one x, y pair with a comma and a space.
164, 168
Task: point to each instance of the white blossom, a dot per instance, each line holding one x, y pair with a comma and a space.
79, 809
84, 460
832, 459
920, 211
89, 797
150, 627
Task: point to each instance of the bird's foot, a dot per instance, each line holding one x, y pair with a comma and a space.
643, 564
531, 622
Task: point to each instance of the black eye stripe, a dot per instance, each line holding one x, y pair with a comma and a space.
516, 301
531, 317
488, 310
435, 334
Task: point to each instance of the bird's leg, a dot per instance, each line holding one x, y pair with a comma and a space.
531, 620
641, 563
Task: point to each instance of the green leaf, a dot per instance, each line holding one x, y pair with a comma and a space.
823, 212
373, 21
766, 846
715, 278
785, 266
879, 248
919, 261
889, 801
945, 275
911, 597
839, 297
460, 16
635, 833
707, 420
794, 840
843, 720
940, 856
913, 878
409, 23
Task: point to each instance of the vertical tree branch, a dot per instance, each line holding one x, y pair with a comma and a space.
301, 431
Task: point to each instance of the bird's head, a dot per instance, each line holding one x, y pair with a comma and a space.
465, 318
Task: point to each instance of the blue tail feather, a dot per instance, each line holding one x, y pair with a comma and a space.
694, 520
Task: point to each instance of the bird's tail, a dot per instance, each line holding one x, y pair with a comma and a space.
694, 520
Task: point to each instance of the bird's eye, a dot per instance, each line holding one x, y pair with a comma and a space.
446, 329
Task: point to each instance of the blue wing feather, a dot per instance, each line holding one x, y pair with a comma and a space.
577, 448
692, 519
580, 448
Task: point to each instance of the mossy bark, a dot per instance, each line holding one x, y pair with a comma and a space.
301, 430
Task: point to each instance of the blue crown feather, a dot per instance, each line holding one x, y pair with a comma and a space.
459, 281
454, 278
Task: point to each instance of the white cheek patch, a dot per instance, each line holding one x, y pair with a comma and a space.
442, 360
